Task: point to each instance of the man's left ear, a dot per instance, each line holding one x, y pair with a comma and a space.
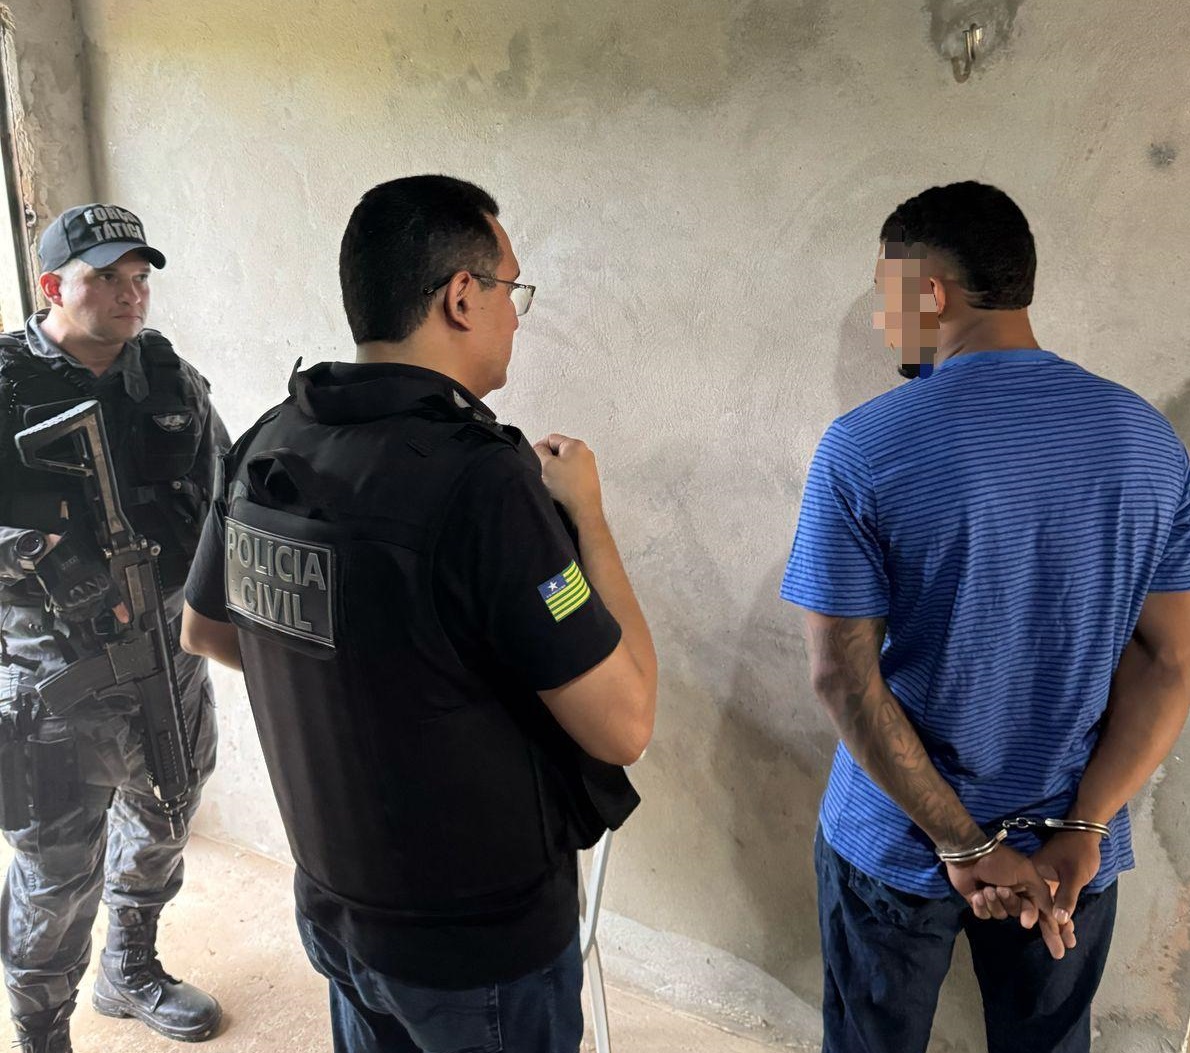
455, 303
51, 287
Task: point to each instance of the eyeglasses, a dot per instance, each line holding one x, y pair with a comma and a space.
520, 295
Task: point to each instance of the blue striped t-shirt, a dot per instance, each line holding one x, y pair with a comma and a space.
1007, 517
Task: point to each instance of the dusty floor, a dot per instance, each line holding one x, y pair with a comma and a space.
231, 931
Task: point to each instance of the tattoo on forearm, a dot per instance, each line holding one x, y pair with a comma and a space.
845, 657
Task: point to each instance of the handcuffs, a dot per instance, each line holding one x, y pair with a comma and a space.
969, 855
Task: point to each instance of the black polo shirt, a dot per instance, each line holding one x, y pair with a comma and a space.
504, 553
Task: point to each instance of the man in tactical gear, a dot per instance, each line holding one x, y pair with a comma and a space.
78, 807
447, 669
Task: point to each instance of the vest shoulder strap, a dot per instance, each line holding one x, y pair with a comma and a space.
11, 360
16, 364
228, 463
14, 351
157, 353
157, 350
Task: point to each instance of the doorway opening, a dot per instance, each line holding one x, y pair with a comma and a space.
17, 269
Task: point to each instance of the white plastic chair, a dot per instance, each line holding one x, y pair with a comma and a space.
592, 896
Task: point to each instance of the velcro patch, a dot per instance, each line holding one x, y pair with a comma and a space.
172, 421
566, 592
284, 583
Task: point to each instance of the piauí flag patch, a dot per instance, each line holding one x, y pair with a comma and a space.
565, 593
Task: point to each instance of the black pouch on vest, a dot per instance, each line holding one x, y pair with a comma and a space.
16, 722
609, 792
14, 778
168, 436
53, 767
589, 796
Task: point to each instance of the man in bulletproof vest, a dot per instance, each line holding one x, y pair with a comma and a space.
445, 658
92, 826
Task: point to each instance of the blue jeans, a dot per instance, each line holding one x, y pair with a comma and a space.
886, 953
374, 1013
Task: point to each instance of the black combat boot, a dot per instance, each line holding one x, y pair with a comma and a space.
47, 1032
132, 982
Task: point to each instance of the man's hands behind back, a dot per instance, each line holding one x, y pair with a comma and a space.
1007, 884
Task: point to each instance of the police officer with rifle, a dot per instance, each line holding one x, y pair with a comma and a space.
107, 448
447, 664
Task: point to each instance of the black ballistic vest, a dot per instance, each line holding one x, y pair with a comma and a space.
409, 785
154, 444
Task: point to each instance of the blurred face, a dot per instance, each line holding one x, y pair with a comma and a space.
906, 311
496, 321
106, 305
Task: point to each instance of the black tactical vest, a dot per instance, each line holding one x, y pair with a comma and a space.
409, 786
154, 444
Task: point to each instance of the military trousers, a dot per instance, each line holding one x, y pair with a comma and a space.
114, 843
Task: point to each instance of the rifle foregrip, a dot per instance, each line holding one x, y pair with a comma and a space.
167, 747
168, 767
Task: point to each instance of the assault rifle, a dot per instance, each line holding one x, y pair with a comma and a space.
135, 659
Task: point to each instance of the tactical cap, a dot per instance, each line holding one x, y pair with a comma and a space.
96, 234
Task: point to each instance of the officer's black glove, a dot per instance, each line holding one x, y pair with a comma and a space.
76, 581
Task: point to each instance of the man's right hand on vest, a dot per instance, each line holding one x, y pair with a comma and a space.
79, 587
570, 475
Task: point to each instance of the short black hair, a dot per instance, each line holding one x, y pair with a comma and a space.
405, 236
980, 229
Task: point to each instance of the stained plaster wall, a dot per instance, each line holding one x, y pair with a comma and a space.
696, 191
52, 144
47, 109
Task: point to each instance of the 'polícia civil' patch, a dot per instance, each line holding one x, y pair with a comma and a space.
565, 593
284, 583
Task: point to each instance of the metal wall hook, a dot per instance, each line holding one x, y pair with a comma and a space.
972, 38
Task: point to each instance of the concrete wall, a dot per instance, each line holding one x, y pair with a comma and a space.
45, 60
51, 135
697, 193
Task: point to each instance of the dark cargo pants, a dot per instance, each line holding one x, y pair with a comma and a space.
115, 842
